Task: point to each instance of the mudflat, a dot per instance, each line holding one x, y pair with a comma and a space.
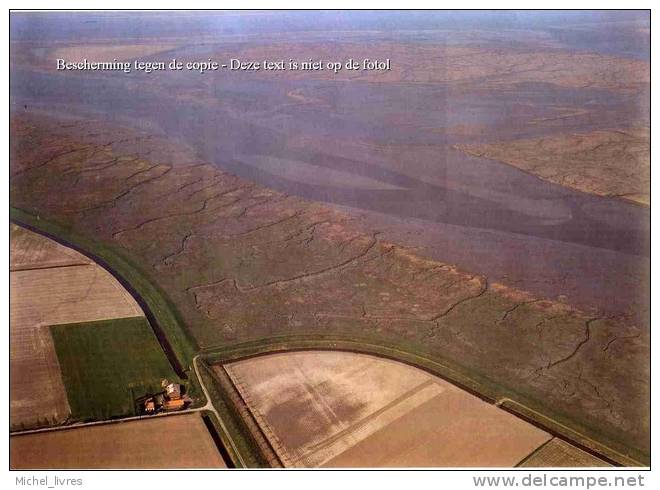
606, 163
243, 262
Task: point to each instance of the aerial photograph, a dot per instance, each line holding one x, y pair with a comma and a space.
329, 239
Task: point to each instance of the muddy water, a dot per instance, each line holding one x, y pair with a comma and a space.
485, 216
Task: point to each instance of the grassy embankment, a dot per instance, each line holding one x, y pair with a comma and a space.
236, 428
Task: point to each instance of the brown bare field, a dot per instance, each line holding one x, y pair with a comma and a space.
339, 409
180, 441
53, 289
28, 250
560, 454
605, 163
68, 295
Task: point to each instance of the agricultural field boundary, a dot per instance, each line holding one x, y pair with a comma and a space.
80, 425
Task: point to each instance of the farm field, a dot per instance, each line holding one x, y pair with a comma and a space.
337, 409
560, 454
180, 441
31, 251
107, 364
50, 284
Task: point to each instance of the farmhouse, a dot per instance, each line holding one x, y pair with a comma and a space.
170, 399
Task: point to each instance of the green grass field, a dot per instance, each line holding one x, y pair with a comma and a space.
107, 364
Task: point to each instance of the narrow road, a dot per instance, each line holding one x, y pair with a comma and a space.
209, 406
106, 422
